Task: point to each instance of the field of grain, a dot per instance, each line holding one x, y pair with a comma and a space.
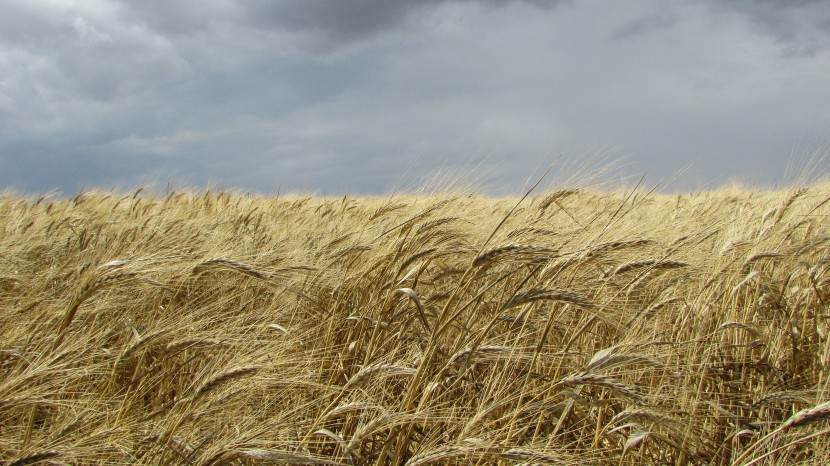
573, 327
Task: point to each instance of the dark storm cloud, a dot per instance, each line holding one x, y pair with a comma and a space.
322, 26
350, 20
331, 24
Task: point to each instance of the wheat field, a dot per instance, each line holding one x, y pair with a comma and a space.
570, 327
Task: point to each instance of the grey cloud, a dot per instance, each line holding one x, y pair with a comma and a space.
643, 25
25, 24
182, 17
73, 51
326, 25
337, 21
799, 26
314, 95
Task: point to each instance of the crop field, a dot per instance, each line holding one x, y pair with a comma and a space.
569, 327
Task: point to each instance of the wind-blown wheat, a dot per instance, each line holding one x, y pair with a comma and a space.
575, 326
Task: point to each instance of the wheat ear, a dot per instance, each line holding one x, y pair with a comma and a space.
807, 416
368, 372
223, 378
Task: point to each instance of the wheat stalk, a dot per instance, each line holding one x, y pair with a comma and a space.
491, 255
538, 294
807, 416
223, 378
230, 264
652, 264
36, 458
480, 352
351, 407
587, 378
602, 248
439, 455
787, 203
263, 456
377, 370
327, 364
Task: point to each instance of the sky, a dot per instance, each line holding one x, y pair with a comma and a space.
373, 96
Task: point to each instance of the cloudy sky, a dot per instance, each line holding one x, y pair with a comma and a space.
364, 96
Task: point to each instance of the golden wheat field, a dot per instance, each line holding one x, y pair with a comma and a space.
570, 327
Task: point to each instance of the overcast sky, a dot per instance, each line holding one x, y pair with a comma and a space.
363, 96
